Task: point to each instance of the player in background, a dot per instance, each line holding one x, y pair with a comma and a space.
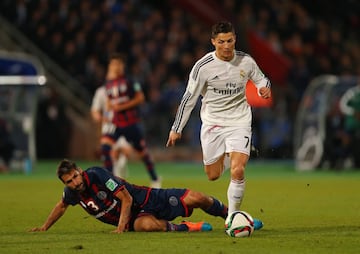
123, 99
220, 77
129, 207
121, 149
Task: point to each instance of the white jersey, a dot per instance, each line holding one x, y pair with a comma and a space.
99, 99
222, 86
99, 102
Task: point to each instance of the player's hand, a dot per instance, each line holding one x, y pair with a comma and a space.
37, 229
173, 136
265, 92
119, 231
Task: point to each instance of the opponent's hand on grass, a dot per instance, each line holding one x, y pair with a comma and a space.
117, 231
37, 229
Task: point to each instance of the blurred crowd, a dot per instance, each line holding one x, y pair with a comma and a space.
163, 40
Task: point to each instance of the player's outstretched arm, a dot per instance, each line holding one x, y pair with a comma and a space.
55, 214
173, 136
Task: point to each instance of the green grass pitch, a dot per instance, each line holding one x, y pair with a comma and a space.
303, 212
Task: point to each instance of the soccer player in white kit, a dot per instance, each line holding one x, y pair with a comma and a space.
220, 77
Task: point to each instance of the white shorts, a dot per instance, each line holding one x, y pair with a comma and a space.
217, 140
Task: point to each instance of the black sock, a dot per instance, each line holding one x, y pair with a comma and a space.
217, 209
176, 227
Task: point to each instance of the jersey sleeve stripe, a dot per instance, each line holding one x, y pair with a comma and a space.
200, 64
180, 112
268, 84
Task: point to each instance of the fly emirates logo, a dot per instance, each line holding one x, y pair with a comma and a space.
230, 89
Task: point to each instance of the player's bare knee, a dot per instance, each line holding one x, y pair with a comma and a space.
213, 177
211, 173
237, 172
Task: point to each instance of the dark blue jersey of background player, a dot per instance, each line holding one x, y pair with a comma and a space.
123, 99
131, 207
119, 92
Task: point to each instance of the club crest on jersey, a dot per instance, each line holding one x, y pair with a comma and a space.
173, 201
111, 184
242, 73
101, 195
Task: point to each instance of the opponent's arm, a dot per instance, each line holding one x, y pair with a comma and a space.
125, 213
55, 214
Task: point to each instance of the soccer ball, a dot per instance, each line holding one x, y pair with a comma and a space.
239, 224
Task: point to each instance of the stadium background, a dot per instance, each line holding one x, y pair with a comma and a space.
293, 42
303, 212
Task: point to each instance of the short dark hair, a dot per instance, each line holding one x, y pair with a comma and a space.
222, 27
65, 167
118, 56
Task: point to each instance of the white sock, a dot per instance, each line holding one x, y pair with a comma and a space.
120, 166
235, 194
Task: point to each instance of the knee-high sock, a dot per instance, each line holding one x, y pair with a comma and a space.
150, 167
217, 209
176, 227
235, 194
106, 158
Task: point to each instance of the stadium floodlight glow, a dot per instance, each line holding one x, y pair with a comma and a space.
24, 80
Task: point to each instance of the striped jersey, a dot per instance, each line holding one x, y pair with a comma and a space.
121, 90
99, 198
222, 87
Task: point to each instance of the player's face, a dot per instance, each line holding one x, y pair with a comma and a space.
224, 44
116, 68
74, 180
